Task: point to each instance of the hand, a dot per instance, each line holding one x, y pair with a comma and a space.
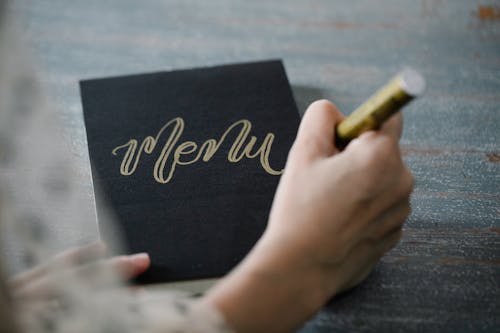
334, 214
42, 283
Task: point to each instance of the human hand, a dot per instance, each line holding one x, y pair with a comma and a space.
43, 282
335, 213
339, 212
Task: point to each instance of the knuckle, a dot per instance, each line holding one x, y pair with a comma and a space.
303, 150
381, 154
404, 213
378, 233
407, 183
399, 235
385, 146
395, 238
322, 104
407, 209
377, 163
411, 178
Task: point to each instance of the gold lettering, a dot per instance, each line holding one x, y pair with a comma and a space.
185, 148
206, 151
128, 157
167, 148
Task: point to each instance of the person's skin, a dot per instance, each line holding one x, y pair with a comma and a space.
38, 290
333, 216
42, 283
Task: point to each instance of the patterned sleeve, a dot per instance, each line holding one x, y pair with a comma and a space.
184, 315
41, 213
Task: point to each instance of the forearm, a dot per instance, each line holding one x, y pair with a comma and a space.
269, 292
334, 215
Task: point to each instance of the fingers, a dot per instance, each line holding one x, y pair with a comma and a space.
130, 266
390, 220
384, 209
80, 255
390, 240
394, 197
126, 266
315, 137
364, 256
393, 126
72, 257
379, 145
98, 274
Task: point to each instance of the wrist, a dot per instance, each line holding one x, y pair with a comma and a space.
274, 289
288, 264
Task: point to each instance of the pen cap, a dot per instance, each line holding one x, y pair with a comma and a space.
412, 82
370, 115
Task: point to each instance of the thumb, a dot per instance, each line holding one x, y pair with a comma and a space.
316, 134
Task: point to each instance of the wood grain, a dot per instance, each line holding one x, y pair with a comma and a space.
444, 275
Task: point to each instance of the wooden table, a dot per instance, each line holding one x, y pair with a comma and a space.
445, 274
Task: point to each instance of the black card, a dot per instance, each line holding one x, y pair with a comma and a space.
189, 160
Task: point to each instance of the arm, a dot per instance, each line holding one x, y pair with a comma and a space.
333, 216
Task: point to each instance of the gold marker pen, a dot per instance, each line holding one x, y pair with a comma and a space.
370, 115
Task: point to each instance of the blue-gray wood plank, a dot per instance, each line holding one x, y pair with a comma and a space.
444, 276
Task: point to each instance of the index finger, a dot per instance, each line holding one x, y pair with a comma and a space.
71, 257
315, 137
393, 126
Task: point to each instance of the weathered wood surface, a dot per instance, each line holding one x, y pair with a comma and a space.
445, 274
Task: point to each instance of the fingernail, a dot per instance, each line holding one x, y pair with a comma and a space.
139, 258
